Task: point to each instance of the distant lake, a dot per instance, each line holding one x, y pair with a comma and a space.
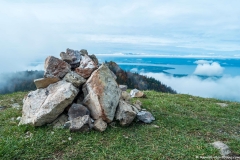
185, 66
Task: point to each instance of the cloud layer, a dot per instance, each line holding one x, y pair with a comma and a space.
226, 88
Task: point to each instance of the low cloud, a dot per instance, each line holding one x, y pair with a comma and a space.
208, 68
226, 87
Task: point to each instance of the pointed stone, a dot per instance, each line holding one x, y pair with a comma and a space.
101, 94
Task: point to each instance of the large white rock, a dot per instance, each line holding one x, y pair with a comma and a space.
45, 105
102, 94
125, 113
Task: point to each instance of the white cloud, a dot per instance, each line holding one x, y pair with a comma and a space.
226, 88
208, 68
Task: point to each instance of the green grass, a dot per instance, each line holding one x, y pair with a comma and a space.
187, 126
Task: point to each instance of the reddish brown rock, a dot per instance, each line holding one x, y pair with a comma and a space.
87, 66
101, 94
55, 67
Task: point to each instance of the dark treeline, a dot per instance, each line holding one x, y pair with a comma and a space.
18, 81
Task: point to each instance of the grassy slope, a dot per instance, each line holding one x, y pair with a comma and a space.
187, 126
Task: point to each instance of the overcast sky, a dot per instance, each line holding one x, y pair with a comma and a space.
32, 30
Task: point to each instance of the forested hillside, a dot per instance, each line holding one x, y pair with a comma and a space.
19, 81
134, 80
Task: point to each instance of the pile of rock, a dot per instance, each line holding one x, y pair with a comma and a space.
80, 94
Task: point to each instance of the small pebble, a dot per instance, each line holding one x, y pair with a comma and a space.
155, 126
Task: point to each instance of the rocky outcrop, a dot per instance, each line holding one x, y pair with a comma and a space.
45, 105
55, 67
87, 66
77, 110
102, 94
45, 82
58, 102
75, 79
125, 113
